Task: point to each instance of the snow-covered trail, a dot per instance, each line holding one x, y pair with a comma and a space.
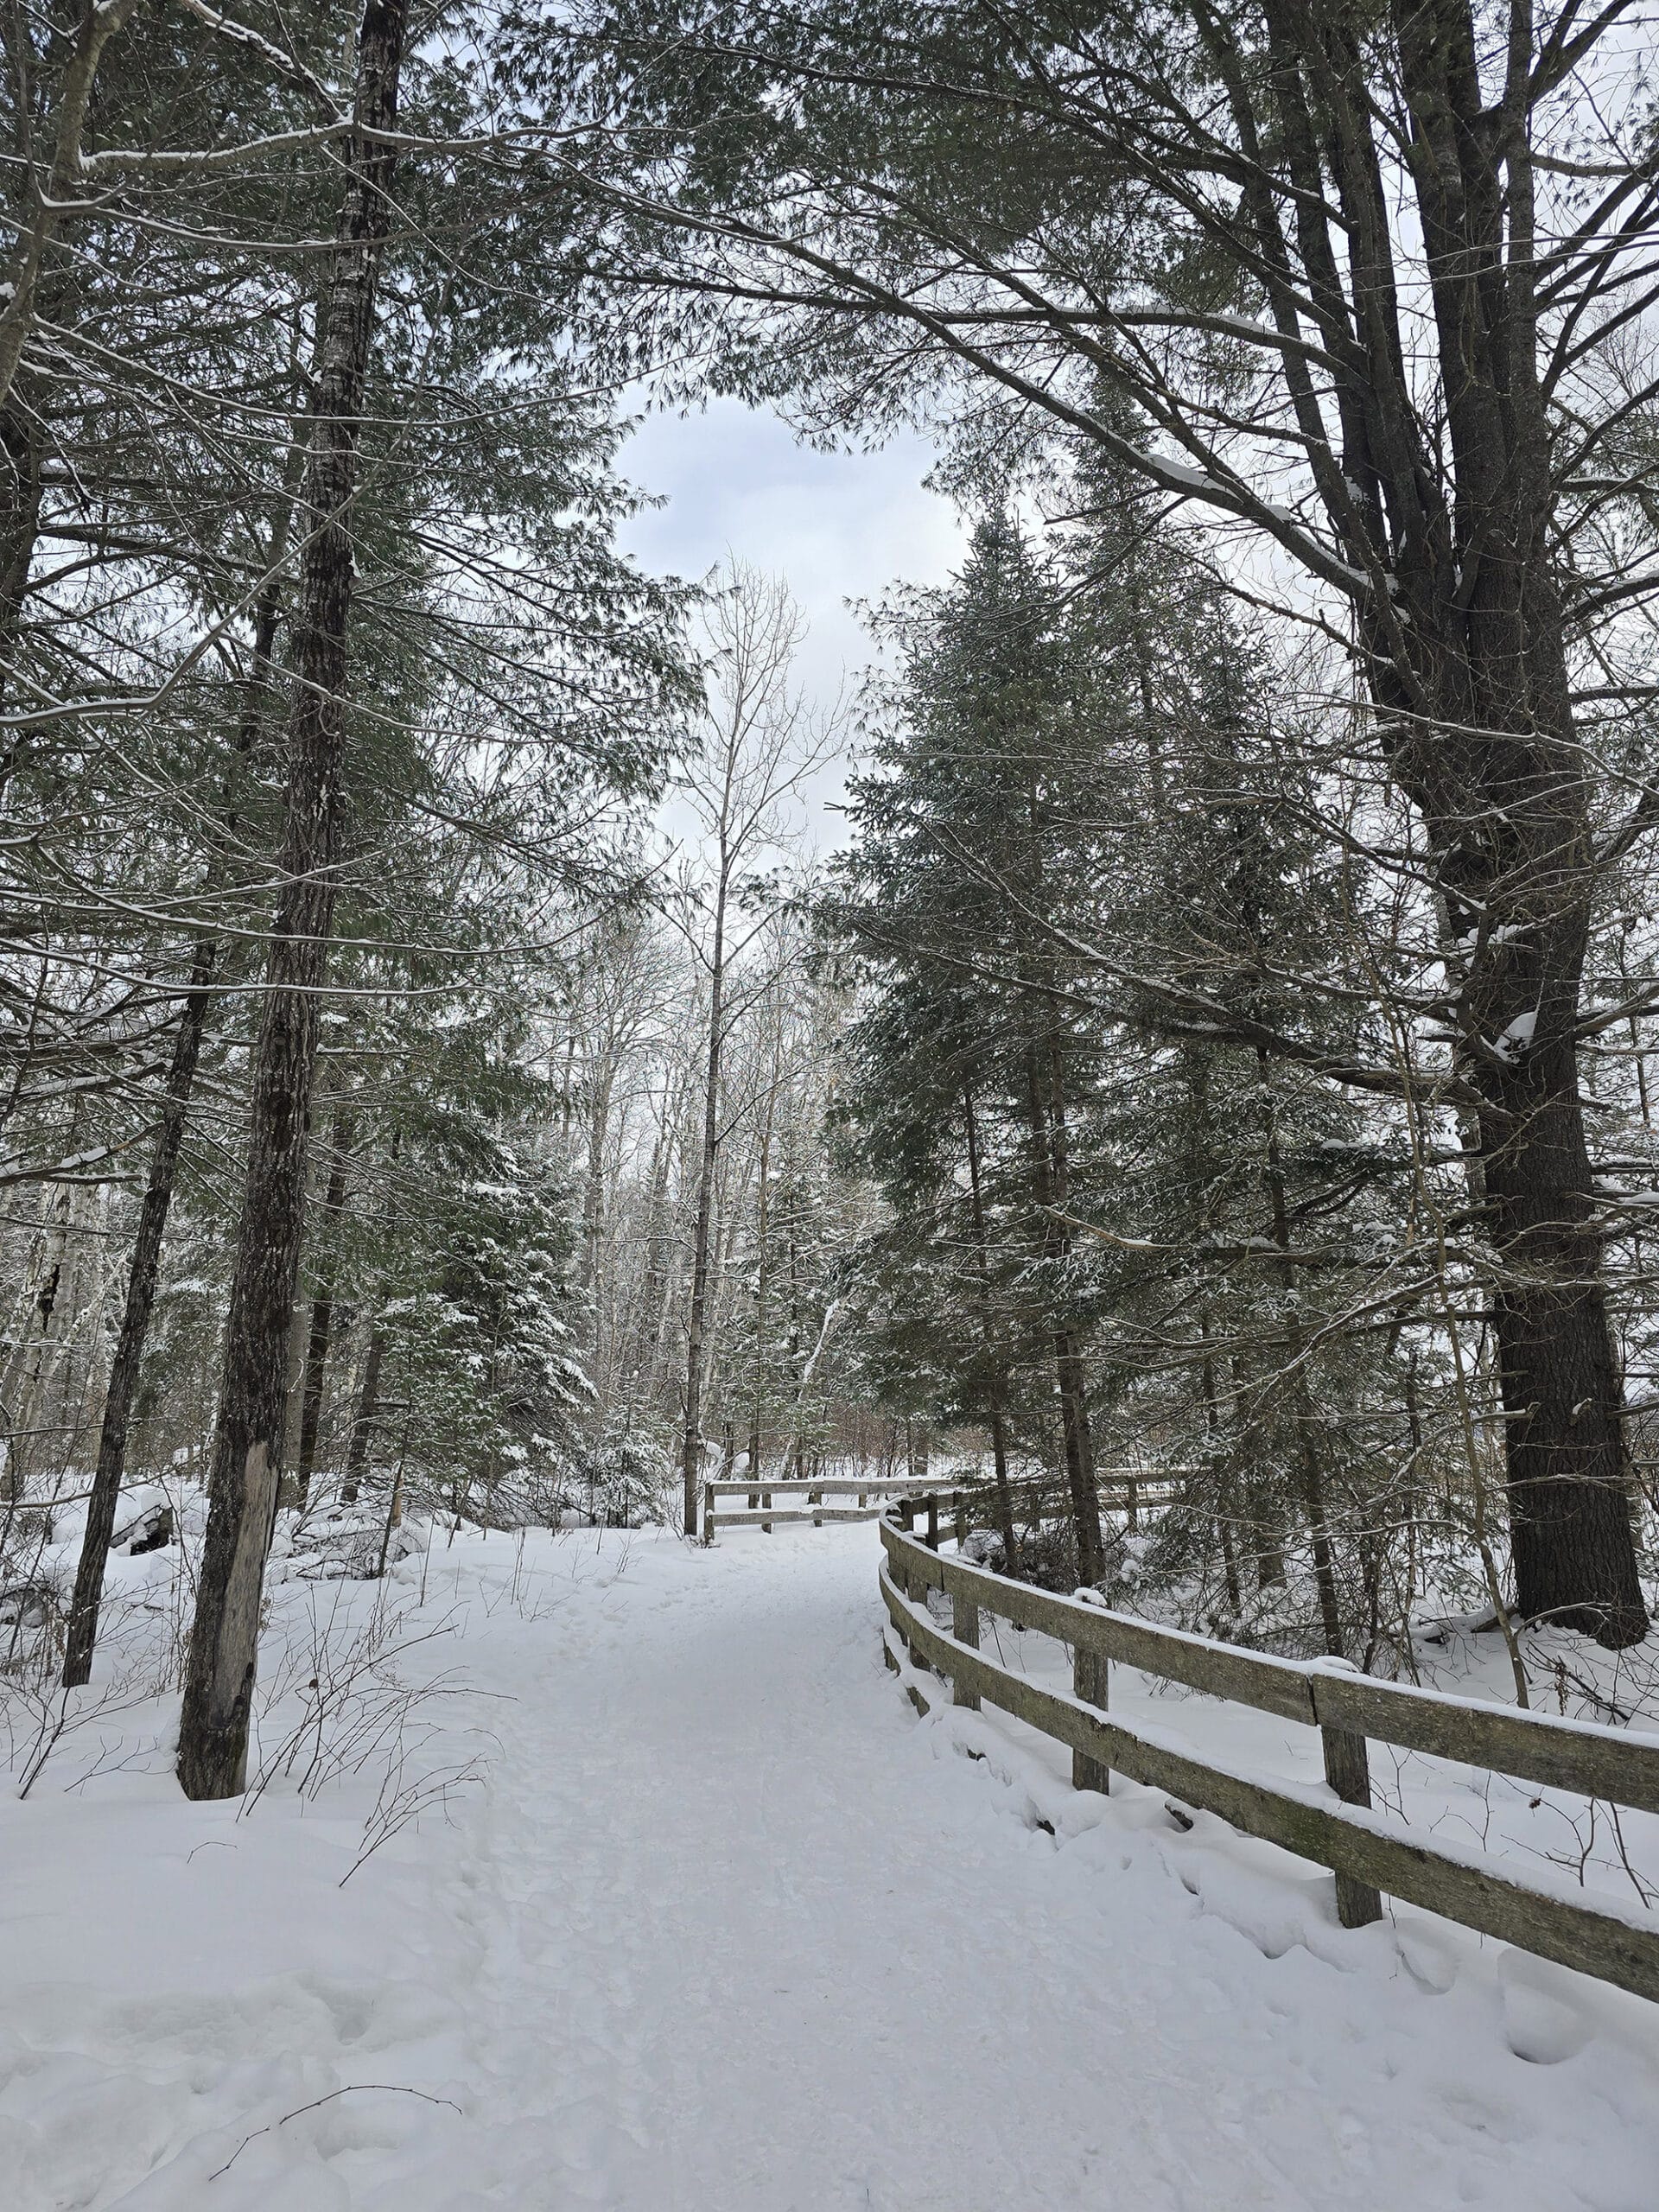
765, 1960
774, 1948
731, 1931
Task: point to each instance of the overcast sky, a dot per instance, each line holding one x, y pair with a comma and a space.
835, 526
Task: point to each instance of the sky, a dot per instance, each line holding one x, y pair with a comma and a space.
836, 526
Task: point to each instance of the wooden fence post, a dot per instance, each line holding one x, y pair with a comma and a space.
708, 1513
898, 1574
907, 1516
919, 1658
815, 1498
1088, 1683
964, 1626
932, 1521
916, 1595
1347, 1769
766, 1504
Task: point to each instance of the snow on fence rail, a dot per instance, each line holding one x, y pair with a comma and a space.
1116, 1490
1554, 1917
812, 1489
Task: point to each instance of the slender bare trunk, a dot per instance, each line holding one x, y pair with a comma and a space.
1046, 1112
27, 1364
1220, 1473
135, 1323
692, 1438
368, 1402
996, 1363
1310, 1463
143, 1272
320, 1339
762, 1284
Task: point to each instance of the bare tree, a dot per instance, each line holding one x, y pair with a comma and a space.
759, 746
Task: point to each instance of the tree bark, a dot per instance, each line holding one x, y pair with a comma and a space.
692, 1437
1467, 658
142, 1278
247, 1442
1310, 1465
368, 1400
27, 1364
997, 1392
1219, 1469
21, 492
762, 1285
1046, 1112
100, 22
321, 1337
594, 1204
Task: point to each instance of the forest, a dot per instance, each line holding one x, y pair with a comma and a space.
489, 1046
503, 1056
1216, 1042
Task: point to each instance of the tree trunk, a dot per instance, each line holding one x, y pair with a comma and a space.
1220, 1471
762, 1285
368, 1400
1467, 658
20, 527
27, 1364
100, 20
1046, 1108
145, 1269
998, 1376
1511, 824
594, 1203
649, 1323
135, 1324
247, 1442
1310, 1465
692, 1438
792, 1351
321, 1336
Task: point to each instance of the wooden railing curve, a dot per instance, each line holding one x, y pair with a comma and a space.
1369, 1856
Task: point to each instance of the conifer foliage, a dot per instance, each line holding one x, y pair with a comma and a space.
438, 1075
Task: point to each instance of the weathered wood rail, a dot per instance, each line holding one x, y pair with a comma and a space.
1369, 1855
872, 1492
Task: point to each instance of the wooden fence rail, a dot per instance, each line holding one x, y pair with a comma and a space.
812, 1489
1552, 1917
1117, 1489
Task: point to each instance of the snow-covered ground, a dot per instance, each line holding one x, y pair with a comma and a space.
711, 1922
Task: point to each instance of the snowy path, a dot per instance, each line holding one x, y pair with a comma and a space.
733, 1932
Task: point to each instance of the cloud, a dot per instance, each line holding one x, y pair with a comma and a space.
836, 526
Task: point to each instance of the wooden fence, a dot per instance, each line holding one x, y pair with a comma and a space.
1119, 1488
1368, 1854
869, 1493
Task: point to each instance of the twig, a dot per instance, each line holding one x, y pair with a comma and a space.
391, 2088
